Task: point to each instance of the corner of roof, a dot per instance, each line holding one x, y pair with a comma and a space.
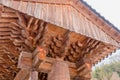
99, 15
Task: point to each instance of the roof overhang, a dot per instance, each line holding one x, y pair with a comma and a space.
32, 8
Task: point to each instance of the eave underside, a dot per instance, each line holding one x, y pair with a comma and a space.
20, 32
71, 14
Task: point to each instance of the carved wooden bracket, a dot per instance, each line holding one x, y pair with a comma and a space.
27, 62
30, 62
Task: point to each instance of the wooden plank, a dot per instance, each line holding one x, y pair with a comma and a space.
8, 15
81, 24
38, 10
23, 6
2, 20
22, 20
5, 38
25, 60
47, 1
65, 17
77, 22
4, 29
30, 9
8, 10
71, 19
4, 24
5, 33
1, 7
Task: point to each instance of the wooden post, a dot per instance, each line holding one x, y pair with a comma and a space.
60, 71
33, 75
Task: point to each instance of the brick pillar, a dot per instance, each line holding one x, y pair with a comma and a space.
60, 71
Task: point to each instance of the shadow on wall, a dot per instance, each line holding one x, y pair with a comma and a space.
114, 76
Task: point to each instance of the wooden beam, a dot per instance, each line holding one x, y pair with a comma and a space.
52, 61
105, 51
9, 15
22, 74
2, 20
47, 1
25, 60
60, 71
46, 66
42, 65
25, 63
22, 20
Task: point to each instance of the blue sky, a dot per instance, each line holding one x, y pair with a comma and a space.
110, 9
